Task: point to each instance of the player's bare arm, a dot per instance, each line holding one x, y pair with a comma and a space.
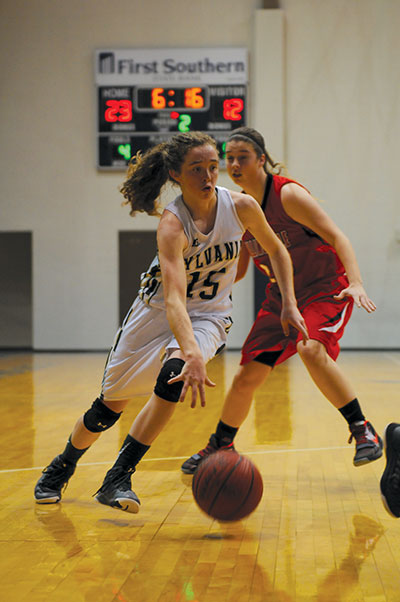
253, 219
171, 241
302, 207
243, 263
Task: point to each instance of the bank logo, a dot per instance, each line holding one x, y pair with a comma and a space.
106, 62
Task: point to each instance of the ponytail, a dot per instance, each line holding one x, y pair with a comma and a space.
146, 176
148, 173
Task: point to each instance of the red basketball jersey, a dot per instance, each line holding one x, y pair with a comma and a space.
316, 265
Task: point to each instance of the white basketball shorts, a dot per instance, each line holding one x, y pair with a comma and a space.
145, 341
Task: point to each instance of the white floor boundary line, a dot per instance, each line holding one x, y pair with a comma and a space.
245, 453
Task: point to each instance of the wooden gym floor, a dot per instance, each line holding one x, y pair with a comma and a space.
320, 533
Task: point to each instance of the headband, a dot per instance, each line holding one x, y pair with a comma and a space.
233, 135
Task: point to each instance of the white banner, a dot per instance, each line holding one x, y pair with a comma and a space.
133, 66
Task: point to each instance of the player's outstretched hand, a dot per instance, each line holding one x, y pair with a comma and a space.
194, 375
361, 299
292, 316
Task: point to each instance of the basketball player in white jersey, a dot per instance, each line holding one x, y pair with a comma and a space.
181, 316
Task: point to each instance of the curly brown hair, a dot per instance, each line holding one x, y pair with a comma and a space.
147, 173
253, 137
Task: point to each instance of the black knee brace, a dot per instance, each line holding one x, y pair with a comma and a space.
99, 417
171, 392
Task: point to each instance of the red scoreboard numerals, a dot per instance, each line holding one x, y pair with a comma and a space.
118, 110
232, 109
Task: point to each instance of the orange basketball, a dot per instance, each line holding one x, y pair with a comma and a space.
227, 486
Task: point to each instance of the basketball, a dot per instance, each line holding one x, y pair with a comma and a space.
227, 486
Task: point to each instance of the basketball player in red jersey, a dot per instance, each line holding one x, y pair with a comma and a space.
181, 316
327, 284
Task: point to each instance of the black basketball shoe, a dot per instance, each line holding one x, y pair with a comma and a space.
368, 443
116, 490
390, 480
190, 465
53, 481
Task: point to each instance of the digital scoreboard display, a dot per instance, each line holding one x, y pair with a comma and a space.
145, 96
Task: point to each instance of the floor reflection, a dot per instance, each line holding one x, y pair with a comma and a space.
193, 576
340, 582
182, 571
273, 408
55, 521
315, 537
16, 394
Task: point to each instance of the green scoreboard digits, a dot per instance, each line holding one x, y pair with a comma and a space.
144, 96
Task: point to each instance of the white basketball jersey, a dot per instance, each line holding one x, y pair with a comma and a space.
210, 260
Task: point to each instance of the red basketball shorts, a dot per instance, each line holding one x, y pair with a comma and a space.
325, 317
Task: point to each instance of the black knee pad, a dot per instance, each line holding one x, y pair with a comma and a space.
99, 417
171, 392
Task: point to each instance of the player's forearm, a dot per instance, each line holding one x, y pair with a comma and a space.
181, 326
243, 264
283, 271
348, 258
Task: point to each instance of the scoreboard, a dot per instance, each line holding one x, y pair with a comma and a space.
144, 96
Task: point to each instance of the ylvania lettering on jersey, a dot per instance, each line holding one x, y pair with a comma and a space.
215, 254
220, 253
